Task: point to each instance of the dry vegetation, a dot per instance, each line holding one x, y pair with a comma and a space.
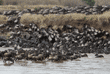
97, 21
22, 4
53, 2
44, 2
3, 19
18, 7
77, 20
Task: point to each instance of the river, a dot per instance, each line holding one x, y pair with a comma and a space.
86, 65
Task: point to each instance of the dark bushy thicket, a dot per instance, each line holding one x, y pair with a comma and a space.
90, 2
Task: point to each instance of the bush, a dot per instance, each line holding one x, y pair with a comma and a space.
1, 2
90, 2
85, 18
37, 9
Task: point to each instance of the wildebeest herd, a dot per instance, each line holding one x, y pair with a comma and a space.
61, 10
56, 45
52, 44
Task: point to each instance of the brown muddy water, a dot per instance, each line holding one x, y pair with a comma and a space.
86, 65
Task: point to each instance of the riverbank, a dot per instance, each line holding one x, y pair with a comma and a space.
87, 65
55, 34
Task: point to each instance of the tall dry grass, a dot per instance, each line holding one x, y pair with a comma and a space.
22, 4
77, 20
44, 2
53, 2
3, 19
98, 21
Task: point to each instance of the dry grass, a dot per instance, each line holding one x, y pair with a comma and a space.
31, 4
102, 2
6, 35
98, 21
3, 19
21, 7
53, 2
44, 2
22, 4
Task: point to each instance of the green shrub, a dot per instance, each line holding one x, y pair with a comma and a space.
91, 19
35, 8
85, 18
90, 2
